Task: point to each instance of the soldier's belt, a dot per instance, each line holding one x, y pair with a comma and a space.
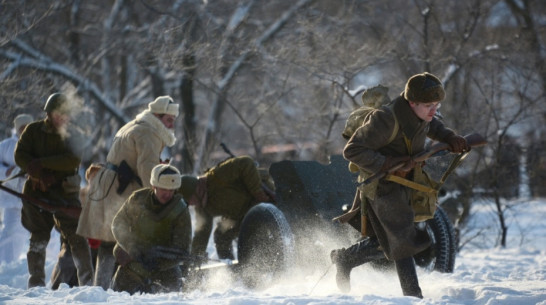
410, 184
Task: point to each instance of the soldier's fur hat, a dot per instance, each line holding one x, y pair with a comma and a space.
22, 119
166, 177
424, 88
163, 105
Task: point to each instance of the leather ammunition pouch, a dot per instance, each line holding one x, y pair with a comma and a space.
125, 175
424, 195
71, 184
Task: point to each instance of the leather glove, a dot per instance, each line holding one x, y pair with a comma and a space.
390, 162
47, 180
34, 168
457, 144
148, 258
261, 196
122, 257
199, 260
150, 263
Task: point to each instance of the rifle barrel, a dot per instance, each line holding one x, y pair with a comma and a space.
473, 140
73, 212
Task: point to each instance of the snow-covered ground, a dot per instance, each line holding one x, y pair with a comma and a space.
484, 274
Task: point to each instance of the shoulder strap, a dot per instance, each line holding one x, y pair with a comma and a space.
396, 126
395, 131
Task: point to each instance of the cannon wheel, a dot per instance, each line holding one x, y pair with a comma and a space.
440, 256
265, 246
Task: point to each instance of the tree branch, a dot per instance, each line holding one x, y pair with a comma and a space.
43, 63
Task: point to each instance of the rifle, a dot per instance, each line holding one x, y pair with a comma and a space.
19, 174
269, 192
473, 140
176, 255
73, 212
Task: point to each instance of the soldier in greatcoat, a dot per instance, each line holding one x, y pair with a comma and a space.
49, 150
152, 217
227, 190
393, 234
135, 151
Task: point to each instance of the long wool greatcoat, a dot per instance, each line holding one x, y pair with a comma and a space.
390, 213
231, 189
139, 143
58, 154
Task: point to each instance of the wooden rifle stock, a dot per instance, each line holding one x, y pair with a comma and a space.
171, 253
177, 255
73, 212
473, 140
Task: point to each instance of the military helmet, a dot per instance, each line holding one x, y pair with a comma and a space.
56, 101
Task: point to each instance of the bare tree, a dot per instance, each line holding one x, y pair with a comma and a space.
258, 73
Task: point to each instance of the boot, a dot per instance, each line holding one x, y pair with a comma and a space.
106, 265
408, 277
224, 249
223, 239
345, 260
36, 256
81, 256
64, 270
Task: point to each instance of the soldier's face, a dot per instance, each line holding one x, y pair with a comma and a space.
168, 120
163, 195
59, 119
425, 111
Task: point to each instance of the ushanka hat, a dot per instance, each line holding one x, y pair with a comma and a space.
166, 177
163, 105
424, 88
22, 119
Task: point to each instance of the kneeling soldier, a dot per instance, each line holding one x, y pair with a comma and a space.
151, 217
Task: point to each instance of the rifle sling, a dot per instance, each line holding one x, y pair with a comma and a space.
409, 183
423, 188
453, 165
20, 174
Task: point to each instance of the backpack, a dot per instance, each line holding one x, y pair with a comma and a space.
372, 99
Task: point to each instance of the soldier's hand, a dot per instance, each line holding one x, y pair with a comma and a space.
199, 260
48, 180
457, 144
34, 168
261, 196
10, 170
149, 262
122, 257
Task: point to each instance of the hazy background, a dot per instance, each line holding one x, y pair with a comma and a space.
277, 79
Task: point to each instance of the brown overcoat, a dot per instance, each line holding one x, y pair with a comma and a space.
231, 189
389, 211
